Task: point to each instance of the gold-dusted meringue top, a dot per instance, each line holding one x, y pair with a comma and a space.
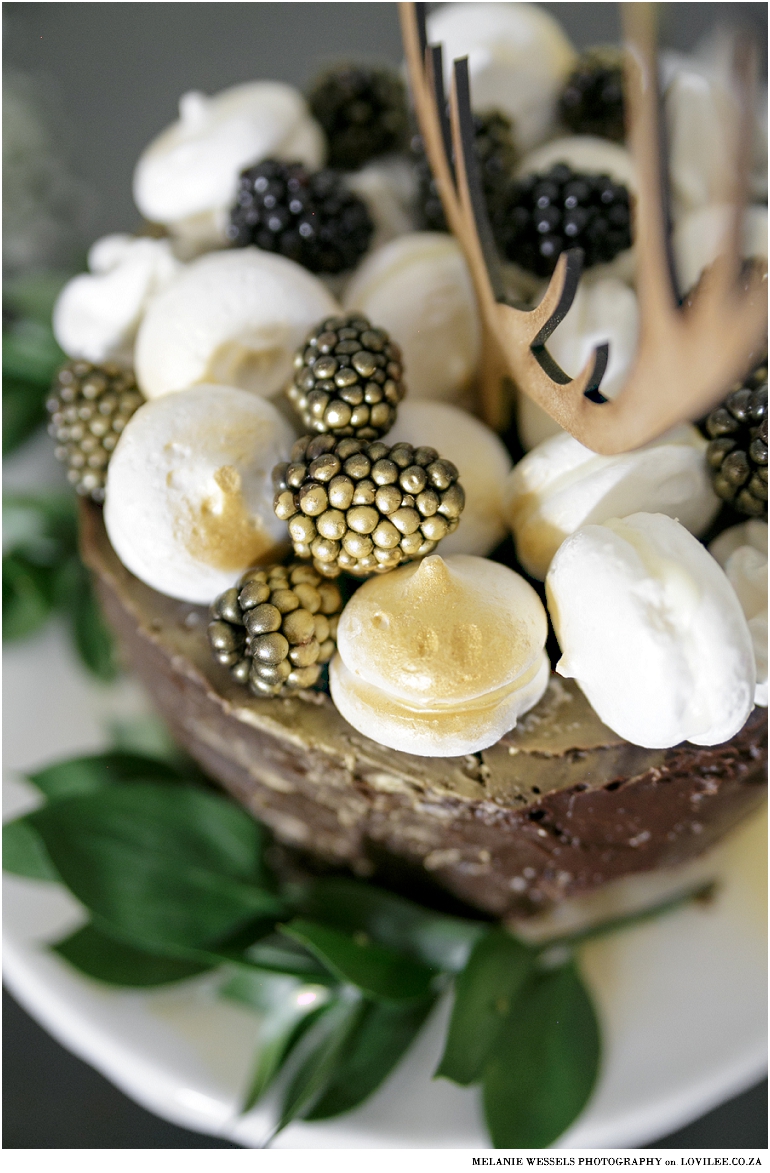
443, 631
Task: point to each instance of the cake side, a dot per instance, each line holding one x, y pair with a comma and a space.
558, 808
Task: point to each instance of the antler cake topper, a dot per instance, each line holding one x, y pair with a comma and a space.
686, 358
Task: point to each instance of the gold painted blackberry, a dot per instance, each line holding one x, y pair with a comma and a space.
89, 406
348, 379
276, 628
737, 454
364, 508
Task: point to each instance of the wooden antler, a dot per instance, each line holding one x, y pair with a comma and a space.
685, 359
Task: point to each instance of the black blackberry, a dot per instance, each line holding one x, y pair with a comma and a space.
496, 154
542, 215
310, 218
737, 454
363, 112
592, 100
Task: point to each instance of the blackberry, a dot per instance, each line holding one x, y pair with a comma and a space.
496, 154
365, 508
311, 218
276, 629
737, 454
542, 215
89, 406
363, 112
348, 379
592, 99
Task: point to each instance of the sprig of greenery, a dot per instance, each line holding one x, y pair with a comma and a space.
343, 973
31, 354
43, 575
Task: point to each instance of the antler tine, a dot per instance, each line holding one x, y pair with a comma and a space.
684, 361
436, 65
520, 334
420, 14
420, 66
654, 287
469, 185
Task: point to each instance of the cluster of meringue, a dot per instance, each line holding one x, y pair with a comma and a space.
439, 657
649, 625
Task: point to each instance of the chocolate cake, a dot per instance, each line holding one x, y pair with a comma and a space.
559, 809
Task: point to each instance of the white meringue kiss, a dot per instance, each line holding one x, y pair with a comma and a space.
481, 459
741, 551
700, 236
652, 631
585, 153
561, 485
189, 502
701, 117
188, 175
440, 658
518, 59
701, 128
388, 187
97, 314
234, 317
419, 289
603, 311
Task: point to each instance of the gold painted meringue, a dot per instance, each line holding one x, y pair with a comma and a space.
440, 658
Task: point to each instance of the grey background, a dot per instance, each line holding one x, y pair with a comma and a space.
111, 75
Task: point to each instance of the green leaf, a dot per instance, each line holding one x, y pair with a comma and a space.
288, 1007
145, 735
92, 638
41, 527
116, 963
334, 1031
33, 295
24, 852
30, 352
27, 597
162, 865
86, 775
444, 942
382, 1036
377, 972
23, 411
42, 569
545, 1062
278, 954
485, 992
91, 635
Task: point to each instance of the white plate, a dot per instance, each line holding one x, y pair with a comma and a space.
682, 1000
